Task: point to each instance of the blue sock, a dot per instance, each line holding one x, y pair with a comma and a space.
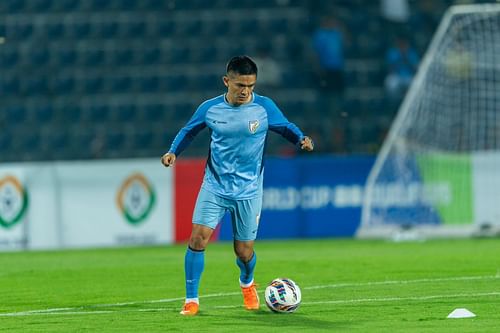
194, 262
246, 269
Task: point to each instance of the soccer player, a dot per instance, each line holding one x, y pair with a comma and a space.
238, 122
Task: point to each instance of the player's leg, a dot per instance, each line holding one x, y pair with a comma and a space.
245, 216
207, 214
194, 263
246, 260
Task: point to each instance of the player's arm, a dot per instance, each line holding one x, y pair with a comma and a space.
280, 124
185, 136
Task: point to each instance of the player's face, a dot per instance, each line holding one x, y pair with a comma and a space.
239, 88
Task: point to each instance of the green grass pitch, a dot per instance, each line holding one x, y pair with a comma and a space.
347, 285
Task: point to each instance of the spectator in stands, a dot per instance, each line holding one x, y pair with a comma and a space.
395, 11
401, 62
328, 44
396, 14
269, 68
97, 146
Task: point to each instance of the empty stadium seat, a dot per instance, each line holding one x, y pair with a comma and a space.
66, 57
57, 141
80, 30
9, 58
188, 27
150, 55
142, 139
177, 54
38, 56
134, 29
21, 31
12, 6
93, 58
35, 86
27, 143
62, 85
10, 85
153, 113
123, 57
42, 6
93, 85
43, 113
107, 30
5, 142
121, 84
164, 28
96, 5
127, 5
174, 82
115, 139
15, 115
155, 5
124, 113
54, 30
66, 114
203, 81
66, 5
149, 84
97, 114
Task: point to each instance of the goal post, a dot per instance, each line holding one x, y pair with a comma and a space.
438, 171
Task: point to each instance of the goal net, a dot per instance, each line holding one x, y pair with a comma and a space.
438, 171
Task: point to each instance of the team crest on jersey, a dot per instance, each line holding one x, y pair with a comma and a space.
253, 125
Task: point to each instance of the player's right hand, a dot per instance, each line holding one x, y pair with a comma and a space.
168, 159
307, 144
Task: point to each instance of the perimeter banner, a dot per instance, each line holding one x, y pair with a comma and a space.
303, 197
58, 205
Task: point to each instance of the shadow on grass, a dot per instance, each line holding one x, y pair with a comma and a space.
287, 322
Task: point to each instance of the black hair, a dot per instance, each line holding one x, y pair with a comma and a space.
241, 65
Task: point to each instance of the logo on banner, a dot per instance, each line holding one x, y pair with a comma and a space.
253, 125
13, 201
136, 198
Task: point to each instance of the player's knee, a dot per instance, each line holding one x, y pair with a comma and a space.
244, 252
198, 242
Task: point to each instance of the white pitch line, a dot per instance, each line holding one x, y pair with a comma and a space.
355, 300
383, 299
74, 310
408, 298
389, 282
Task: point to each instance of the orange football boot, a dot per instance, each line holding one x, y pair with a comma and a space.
250, 297
190, 309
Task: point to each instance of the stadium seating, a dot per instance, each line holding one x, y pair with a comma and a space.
149, 63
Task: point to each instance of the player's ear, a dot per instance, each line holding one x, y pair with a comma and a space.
225, 79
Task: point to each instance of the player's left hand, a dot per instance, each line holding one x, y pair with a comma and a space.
307, 144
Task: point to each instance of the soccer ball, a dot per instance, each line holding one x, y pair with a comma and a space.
283, 295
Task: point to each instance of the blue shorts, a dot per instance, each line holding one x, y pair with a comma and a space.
245, 214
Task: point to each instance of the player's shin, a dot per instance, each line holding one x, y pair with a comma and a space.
246, 270
194, 262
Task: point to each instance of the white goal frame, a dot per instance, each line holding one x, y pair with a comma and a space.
366, 229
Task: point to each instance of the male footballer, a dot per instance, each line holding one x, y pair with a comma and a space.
239, 121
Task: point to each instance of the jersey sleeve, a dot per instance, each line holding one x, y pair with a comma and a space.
279, 123
189, 131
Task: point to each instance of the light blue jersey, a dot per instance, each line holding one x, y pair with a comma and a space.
238, 135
